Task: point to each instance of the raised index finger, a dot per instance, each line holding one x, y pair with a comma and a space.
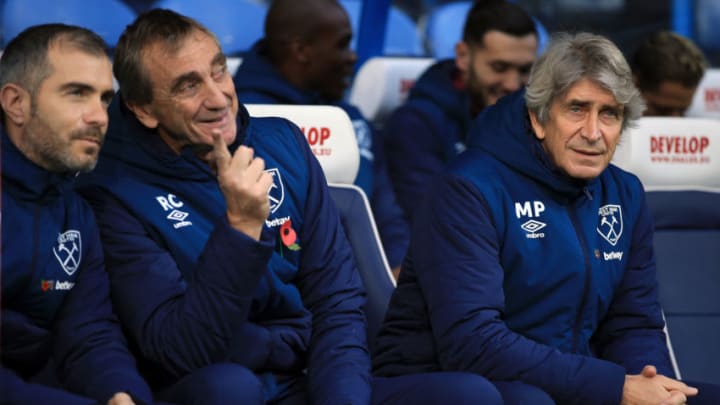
221, 157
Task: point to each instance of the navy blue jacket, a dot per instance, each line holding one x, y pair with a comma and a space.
517, 272
192, 291
427, 132
257, 81
55, 293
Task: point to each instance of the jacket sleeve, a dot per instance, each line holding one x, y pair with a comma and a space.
632, 332
184, 324
330, 285
387, 213
414, 157
16, 391
90, 351
455, 249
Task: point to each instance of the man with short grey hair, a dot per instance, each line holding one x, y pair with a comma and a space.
531, 262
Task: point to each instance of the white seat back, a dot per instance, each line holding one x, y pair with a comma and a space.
383, 83
673, 153
706, 102
329, 132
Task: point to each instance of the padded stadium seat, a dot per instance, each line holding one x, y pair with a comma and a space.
383, 83
401, 35
107, 18
678, 161
238, 24
332, 138
444, 27
329, 131
706, 102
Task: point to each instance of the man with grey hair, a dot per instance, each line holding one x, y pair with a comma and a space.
541, 276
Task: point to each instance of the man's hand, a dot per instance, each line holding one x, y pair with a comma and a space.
652, 388
669, 383
121, 398
245, 185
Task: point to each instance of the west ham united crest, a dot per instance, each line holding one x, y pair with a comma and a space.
611, 223
276, 194
68, 251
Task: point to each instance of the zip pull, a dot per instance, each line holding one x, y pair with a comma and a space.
587, 193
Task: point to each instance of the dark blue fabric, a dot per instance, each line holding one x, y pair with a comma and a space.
55, 294
192, 291
435, 388
427, 132
218, 384
509, 275
257, 81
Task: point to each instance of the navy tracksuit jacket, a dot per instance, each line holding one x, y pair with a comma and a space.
192, 291
55, 293
517, 272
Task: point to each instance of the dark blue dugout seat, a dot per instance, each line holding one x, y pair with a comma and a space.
238, 24
401, 35
678, 161
444, 26
107, 18
331, 136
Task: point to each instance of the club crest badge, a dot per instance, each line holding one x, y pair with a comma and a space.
276, 194
68, 251
610, 223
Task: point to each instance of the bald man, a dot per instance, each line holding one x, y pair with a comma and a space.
305, 58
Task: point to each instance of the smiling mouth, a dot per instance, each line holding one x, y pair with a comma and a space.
215, 121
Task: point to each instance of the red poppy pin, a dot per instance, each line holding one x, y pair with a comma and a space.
288, 236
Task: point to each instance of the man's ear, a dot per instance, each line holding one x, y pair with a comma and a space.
144, 114
537, 128
299, 49
462, 57
16, 103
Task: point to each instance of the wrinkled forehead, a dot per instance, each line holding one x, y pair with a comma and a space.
164, 59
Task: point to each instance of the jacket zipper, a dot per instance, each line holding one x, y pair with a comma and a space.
577, 327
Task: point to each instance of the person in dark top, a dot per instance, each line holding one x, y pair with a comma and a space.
430, 129
55, 86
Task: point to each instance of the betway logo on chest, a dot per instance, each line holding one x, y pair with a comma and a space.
275, 222
679, 148
56, 285
316, 137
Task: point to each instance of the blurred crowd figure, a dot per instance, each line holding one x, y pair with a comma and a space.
667, 69
492, 59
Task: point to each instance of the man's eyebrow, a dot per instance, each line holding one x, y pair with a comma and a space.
182, 79
219, 59
76, 86
577, 102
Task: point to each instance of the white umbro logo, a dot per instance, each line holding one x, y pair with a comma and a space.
177, 215
172, 203
532, 227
